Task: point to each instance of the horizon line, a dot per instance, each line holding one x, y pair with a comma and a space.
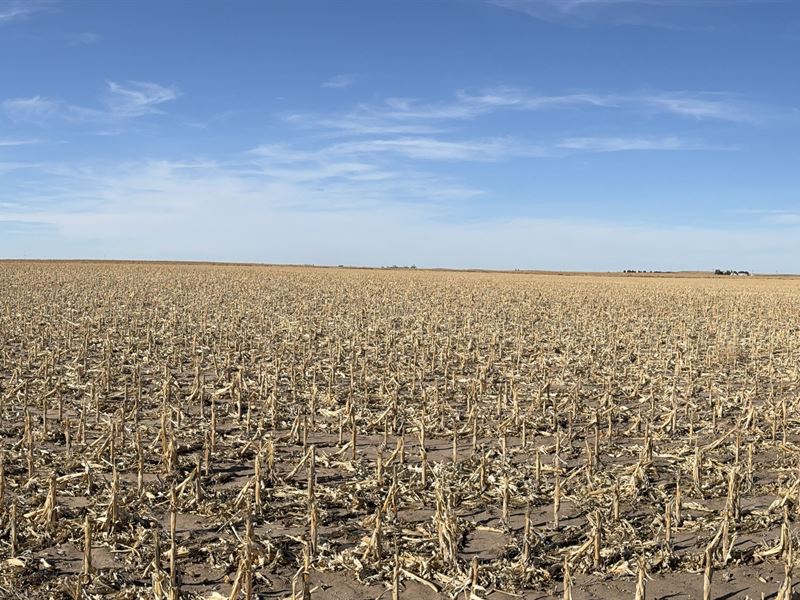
518, 270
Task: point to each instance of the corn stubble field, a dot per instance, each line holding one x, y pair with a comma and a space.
201, 431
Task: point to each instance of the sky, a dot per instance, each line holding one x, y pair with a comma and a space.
509, 134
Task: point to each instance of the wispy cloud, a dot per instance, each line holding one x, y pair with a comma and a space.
215, 119
429, 148
515, 98
695, 105
137, 98
11, 10
35, 108
352, 174
409, 116
773, 216
120, 101
707, 105
86, 38
9, 166
357, 122
412, 129
622, 144
140, 210
567, 6
4, 142
415, 148
105, 202
464, 150
655, 13
339, 82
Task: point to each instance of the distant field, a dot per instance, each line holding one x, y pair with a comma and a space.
193, 430
680, 274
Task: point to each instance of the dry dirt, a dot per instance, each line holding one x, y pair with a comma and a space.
623, 387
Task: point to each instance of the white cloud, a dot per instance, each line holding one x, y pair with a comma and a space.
509, 97
619, 12
266, 179
9, 166
536, 7
133, 99
4, 142
35, 108
414, 130
339, 82
620, 144
410, 117
427, 148
137, 98
361, 170
770, 216
695, 105
701, 106
357, 124
416, 148
161, 209
86, 38
291, 165
11, 10
341, 170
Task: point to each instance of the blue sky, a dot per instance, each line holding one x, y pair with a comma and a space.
555, 134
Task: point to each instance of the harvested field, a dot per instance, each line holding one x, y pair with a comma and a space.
212, 431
